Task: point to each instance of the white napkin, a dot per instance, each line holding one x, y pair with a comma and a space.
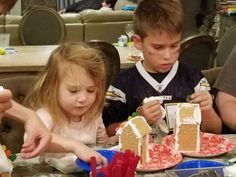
230, 170
64, 164
5, 164
161, 122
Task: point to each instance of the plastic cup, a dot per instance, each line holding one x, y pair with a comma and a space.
4, 40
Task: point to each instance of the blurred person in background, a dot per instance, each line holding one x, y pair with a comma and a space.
38, 135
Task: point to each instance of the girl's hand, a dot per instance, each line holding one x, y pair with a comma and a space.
85, 153
151, 111
204, 99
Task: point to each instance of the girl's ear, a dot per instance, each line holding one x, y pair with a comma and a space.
137, 41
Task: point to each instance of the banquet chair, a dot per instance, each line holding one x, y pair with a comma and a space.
12, 131
41, 26
198, 50
111, 59
225, 45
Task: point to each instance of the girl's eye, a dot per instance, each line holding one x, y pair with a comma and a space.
72, 91
91, 90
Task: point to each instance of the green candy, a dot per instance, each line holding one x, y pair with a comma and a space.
12, 157
189, 98
134, 114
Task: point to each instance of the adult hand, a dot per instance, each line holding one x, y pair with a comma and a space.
38, 137
151, 111
5, 101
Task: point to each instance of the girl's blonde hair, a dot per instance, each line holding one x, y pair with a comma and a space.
63, 58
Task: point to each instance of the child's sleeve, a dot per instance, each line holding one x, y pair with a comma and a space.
202, 84
102, 136
45, 118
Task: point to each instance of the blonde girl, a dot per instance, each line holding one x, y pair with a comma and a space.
69, 97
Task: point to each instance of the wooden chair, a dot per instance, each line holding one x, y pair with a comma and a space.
111, 58
198, 50
41, 26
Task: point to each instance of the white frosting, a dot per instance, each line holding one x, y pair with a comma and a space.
1, 88
195, 119
5, 164
230, 170
198, 139
160, 122
158, 98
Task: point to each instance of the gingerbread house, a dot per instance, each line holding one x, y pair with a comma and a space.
187, 130
134, 135
5, 165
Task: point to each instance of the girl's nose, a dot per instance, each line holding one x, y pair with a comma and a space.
81, 97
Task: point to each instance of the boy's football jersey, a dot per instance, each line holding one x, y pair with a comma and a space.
130, 88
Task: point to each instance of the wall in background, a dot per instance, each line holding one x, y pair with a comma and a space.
22, 5
25, 4
16, 10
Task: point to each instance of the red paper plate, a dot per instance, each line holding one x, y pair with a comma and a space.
211, 145
162, 157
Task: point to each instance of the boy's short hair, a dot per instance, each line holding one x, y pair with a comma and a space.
160, 15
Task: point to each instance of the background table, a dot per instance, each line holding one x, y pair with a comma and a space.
32, 59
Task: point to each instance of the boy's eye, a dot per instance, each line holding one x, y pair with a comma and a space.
157, 47
174, 46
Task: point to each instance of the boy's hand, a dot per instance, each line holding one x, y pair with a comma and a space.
151, 111
204, 99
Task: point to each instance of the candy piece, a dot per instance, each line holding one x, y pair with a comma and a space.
134, 114
130, 117
2, 51
12, 157
4, 147
189, 98
8, 153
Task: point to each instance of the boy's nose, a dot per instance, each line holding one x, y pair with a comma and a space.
167, 53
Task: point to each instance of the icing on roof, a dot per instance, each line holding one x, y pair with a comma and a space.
139, 126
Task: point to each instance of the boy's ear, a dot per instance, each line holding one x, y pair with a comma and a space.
137, 41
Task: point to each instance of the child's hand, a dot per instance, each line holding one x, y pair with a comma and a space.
85, 153
151, 111
204, 99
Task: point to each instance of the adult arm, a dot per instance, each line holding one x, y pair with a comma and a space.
226, 105
38, 135
5, 101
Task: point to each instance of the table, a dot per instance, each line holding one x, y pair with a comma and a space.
41, 169
32, 59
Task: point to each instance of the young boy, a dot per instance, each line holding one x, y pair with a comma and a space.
158, 29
